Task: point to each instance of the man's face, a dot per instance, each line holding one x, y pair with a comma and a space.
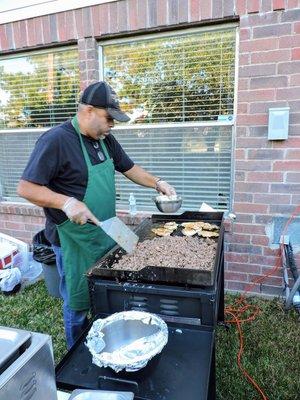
100, 123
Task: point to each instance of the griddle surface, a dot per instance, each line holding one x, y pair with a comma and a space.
181, 371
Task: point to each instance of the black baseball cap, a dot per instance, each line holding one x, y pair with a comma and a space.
102, 95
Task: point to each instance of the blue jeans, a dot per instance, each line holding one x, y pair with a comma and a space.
75, 321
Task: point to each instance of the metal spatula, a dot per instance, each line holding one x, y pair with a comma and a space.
120, 233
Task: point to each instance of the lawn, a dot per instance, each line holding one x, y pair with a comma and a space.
272, 343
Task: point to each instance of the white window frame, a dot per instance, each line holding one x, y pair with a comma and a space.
232, 123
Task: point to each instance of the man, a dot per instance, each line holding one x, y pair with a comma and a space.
71, 175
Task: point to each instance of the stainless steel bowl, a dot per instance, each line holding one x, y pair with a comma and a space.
168, 206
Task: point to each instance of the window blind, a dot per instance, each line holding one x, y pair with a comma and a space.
196, 160
38, 90
15, 149
182, 78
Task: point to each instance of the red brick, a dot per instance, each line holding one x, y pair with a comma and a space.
257, 70
17, 34
236, 276
183, 11
288, 93
38, 30
295, 80
270, 252
162, 14
270, 56
253, 6
122, 16
263, 107
23, 32
263, 260
296, 199
265, 154
194, 10
254, 119
285, 188
252, 208
260, 240
104, 17
266, 5
289, 41
141, 15
205, 9
46, 29
272, 198
251, 187
242, 108
248, 228
289, 143
296, 54
243, 83
248, 268
256, 95
241, 7
247, 219
96, 20
235, 238
271, 280
265, 44
278, 5
79, 23
217, 9
240, 176
264, 176
251, 166
281, 209
293, 177
235, 257
245, 33
276, 30
3, 38
244, 59
18, 226
237, 286
62, 28
292, 3
297, 27
240, 154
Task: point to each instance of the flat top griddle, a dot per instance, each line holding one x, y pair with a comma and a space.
181, 371
157, 274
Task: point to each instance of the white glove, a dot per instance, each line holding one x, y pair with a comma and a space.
78, 212
165, 188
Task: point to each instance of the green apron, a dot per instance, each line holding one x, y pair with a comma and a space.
83, 245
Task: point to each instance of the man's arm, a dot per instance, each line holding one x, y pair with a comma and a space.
40, 195
138, 175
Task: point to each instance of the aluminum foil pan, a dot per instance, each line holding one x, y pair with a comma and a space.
126, 340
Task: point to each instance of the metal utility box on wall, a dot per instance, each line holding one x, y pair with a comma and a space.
278, 125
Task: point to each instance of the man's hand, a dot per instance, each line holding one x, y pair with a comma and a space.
78, 212
164, 188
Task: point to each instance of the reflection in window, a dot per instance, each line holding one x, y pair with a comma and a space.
184, 78
38, 90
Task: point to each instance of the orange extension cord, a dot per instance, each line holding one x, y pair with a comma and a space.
242, 311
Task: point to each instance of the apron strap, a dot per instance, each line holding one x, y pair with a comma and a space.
77, 129
85, 153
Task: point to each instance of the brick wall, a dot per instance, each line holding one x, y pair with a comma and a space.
266, 173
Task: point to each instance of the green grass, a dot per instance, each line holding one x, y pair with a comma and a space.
272, 343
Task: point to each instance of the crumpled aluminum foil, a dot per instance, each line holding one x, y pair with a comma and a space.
132, 356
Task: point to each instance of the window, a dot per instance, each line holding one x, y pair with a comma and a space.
185, 83
37, 91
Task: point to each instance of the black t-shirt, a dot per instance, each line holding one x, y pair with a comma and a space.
57, 162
